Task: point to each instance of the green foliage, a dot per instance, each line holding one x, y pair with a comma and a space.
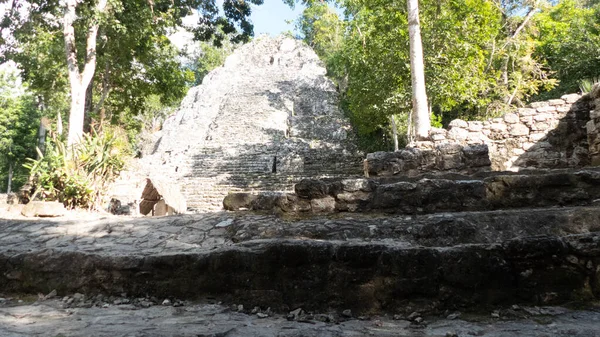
479, 58
79, 176
586, 85
19, 121
135, 61
209, 58
569, 40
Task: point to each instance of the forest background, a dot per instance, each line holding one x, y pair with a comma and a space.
482, 59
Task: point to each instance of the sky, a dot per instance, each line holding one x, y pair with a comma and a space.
270, 17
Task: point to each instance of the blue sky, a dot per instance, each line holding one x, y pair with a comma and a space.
270, 17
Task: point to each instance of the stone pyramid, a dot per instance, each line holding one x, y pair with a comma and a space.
266, 119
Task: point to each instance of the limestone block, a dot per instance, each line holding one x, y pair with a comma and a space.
527, 111
451, 162
458, 134
498, 127
323, 205
545, 109
537, 105
475, 126
540, 127
511, 118
519, 130
236, 201
591, 127
438, 137
44, 209
536, 137
563, 109
556, 102
438, 131
542, 117
459, 123
353, 185
450, 148
572, 98
528, 145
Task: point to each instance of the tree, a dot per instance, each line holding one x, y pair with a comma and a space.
417, 70
478, 55
147, 24
19, 120
568, 39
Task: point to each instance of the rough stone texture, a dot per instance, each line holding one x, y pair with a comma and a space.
368, 263
43, 209
444, 158
54, 318
162, 198
548, 134
266, 119
438, 193
593, 127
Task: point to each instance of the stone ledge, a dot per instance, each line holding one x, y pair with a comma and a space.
431, 195
316, 275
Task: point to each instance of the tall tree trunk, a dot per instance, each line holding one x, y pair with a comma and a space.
79, 81
417, 69
394, 132
10, 176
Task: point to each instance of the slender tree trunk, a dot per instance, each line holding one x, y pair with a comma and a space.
394, 132
10, 177
79, 81
417, 70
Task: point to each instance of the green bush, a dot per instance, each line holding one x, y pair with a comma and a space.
79, 176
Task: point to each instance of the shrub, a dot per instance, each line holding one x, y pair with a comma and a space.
81, 175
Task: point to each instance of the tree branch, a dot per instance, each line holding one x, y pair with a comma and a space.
90, 56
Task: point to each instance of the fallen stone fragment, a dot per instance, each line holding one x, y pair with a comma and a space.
44, 209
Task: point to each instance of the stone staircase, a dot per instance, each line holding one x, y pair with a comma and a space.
385, 245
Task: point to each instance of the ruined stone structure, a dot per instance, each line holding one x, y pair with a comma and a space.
593, 127
266, 119
548, 134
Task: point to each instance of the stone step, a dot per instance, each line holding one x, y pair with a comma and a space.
367, 263
436, 194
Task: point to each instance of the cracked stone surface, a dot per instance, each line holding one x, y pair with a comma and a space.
370, 263
113, 235
52, 319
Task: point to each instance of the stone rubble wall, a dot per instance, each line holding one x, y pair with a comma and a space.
265, 120
548, 134
447, 157
593, 127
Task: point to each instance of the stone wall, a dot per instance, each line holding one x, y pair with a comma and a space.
447, 157
593, 127
548, 134
265, 120
431, 194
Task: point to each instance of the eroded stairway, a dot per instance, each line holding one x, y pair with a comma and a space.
384, 245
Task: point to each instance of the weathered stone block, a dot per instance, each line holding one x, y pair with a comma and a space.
511, 118
237, 201
519, 130
554, 102
323, 205
458, 134
537, 105
459, 123
572, 98
44, 209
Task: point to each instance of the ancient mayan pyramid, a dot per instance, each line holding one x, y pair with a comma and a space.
266, 119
